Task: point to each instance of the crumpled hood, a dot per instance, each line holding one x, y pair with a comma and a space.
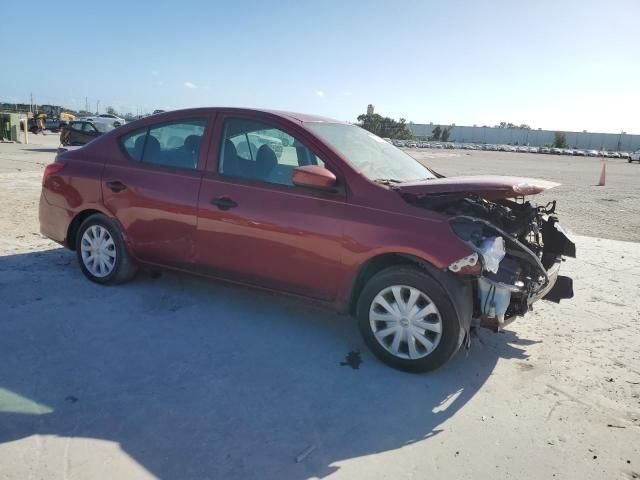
490, 187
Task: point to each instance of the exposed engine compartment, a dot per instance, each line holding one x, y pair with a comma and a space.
519, 247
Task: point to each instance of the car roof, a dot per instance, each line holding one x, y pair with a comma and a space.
292, 116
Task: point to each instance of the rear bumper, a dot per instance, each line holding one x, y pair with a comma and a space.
54, 221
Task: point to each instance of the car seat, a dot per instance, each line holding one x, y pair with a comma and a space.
266, 161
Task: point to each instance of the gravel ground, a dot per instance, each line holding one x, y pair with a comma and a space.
180, 378
612, 211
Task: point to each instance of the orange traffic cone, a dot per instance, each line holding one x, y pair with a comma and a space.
603, 174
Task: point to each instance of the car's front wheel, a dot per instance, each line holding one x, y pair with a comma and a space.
408, 320
102, 252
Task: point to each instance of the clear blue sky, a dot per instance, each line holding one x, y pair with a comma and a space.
552, 64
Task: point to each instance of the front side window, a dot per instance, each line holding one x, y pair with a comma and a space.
88, 128
370, 154
175, 144
261, 152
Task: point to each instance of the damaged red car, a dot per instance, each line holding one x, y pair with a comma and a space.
315, 208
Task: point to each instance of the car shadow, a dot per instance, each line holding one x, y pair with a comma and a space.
198, 379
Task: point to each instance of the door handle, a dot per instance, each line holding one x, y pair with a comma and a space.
223, 203
116, 186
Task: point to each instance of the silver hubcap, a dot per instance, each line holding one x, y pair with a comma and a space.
405, 322
98, 251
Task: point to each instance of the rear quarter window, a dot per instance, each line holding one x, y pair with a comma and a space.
170, 144
133, 144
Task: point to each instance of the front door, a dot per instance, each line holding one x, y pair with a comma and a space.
152, 189
256, 227
89, 132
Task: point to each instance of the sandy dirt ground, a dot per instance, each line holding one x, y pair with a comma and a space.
180, 378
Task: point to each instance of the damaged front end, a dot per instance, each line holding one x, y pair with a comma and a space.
518, 248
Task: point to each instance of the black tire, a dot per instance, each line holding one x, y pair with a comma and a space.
413, 277
124, 267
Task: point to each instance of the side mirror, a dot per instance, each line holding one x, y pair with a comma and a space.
313, 176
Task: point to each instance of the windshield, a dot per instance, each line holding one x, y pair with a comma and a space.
375, 158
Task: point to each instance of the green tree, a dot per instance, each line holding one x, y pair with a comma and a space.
560, 140
446, 133
111, 110
436, 133
522, 126
385, 126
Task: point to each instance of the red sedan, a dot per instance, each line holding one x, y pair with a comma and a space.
315, 208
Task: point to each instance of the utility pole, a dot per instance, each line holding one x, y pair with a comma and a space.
97, 107
86, 104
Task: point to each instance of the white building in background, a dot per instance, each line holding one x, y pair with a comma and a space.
518, 136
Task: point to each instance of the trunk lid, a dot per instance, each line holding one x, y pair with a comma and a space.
490, 187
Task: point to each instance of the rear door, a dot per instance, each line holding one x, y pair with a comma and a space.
152, 188
255, 226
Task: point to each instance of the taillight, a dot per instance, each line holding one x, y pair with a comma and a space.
50, 170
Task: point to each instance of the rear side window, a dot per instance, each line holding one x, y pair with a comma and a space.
133, 144
175, 144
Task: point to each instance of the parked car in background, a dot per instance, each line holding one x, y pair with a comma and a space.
109, 119
624, 155
105, 122
545, 150
522, 149
612, 155
635, 156
580, 153
592, 153
411, 144
51, 124
78, 133
341, 217
533, 150
557, 151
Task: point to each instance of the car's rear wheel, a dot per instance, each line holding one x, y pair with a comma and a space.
102, 252
408, 320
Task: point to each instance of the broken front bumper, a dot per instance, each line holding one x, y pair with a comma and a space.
504, 296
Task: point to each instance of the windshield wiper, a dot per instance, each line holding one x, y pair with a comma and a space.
387, 181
